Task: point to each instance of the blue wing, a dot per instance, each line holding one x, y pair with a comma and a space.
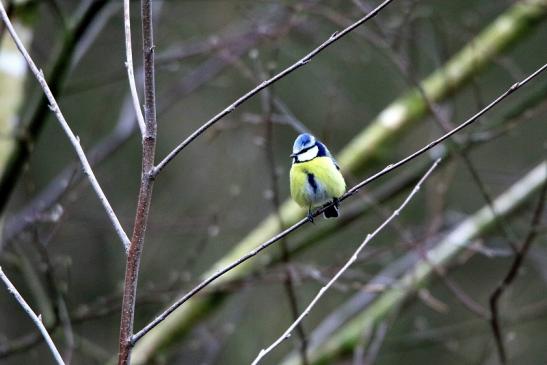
324, 151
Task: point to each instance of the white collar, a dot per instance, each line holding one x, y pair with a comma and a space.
308, 155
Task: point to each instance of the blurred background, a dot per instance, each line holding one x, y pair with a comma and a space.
412, 297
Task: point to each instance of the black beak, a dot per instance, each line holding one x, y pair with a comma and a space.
293, 155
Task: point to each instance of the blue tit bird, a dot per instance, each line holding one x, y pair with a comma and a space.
315, 176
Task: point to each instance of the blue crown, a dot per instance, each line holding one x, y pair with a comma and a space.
303, 141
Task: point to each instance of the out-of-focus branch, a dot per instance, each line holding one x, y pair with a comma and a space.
75, 141
442, 253
30, 130
101, 307
36, 319
13, 73
340, 272
277, 103
303, 61
9, 10
69, 176
512, 274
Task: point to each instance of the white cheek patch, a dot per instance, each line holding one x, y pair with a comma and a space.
308, 155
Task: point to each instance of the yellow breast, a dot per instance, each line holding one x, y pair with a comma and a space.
316, 182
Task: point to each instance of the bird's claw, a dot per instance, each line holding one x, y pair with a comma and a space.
310, 216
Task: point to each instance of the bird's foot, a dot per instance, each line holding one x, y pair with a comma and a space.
310, 216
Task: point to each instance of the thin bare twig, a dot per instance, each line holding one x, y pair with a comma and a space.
74, 140
340, 272
319, 211
520, 254
303, 61
145, 191
36, 319
68, 178
129, 66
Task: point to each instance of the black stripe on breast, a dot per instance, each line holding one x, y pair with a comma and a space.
312, 182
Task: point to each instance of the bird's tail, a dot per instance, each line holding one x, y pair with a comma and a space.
332, 211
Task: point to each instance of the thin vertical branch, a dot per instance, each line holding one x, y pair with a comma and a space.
145, 192
512, 274
129, 66
74, 140
340, 272
36, 319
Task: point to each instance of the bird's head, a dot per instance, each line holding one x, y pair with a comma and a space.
305, 148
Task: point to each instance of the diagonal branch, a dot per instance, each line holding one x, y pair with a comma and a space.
340, 272
512, 274
28, 310
319, 211
74, 140
303, 61
67, 179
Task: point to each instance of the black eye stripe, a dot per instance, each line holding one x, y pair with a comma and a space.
307, 149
